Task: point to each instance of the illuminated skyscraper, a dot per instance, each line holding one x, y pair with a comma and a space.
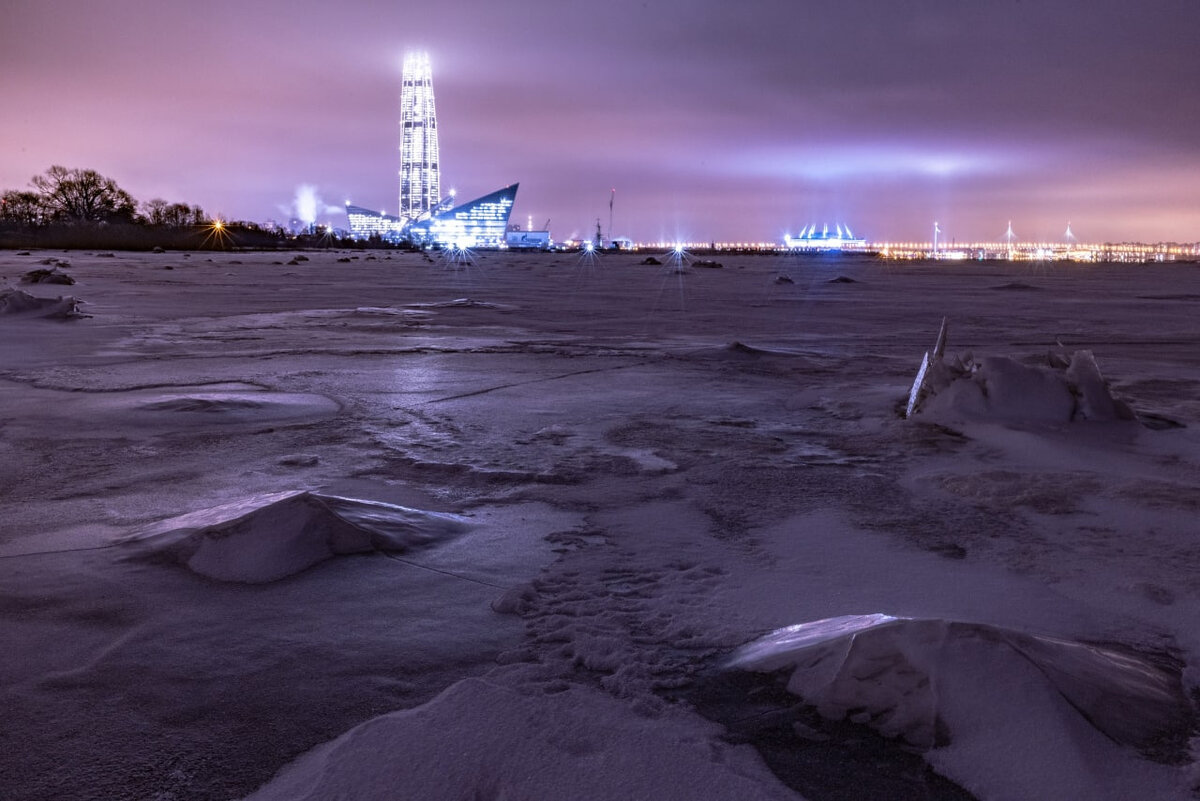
420, 183
425, 217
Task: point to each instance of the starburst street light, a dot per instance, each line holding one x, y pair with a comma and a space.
216, 234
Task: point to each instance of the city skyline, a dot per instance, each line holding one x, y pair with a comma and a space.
710, 122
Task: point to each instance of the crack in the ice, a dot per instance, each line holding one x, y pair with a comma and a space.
535, 381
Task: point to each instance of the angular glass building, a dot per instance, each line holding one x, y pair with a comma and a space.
420, 176
478, 223
365, 223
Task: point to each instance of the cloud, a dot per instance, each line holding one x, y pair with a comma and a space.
876, 160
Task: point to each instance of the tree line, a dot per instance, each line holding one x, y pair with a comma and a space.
62, 196
77, 208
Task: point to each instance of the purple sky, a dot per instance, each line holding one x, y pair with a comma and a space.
713, 120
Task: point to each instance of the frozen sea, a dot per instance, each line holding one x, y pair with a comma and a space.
585, 483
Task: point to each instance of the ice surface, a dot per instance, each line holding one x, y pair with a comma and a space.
641, 497
266, 538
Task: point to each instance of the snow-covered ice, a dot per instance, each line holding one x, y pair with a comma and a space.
395, 527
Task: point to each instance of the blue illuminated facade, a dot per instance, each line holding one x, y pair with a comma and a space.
478, 223
365, 223
811, 239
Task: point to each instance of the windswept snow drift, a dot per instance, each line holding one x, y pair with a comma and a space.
970, 692
269, 537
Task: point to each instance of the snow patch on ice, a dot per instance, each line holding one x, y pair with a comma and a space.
648, 461
480, 740
269, 537
407, 315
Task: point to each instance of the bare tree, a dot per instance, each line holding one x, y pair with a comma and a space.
154, 212
21, 207
172, 215
177, 215
82, 196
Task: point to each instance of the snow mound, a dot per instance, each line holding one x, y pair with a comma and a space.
481, 740
738, 350
741, 348
970, 692
207, 404
270, 537
462, 303
388, 311
1004, 389
50, 276
17, 303
231, 406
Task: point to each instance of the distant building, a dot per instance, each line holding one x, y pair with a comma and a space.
481, 222
810, 239
528, 240
365, 223
420, 175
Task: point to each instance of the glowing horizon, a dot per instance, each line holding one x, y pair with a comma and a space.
889, 116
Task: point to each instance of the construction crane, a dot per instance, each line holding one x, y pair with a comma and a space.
611, 198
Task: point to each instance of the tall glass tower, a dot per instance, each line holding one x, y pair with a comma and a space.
420, 184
